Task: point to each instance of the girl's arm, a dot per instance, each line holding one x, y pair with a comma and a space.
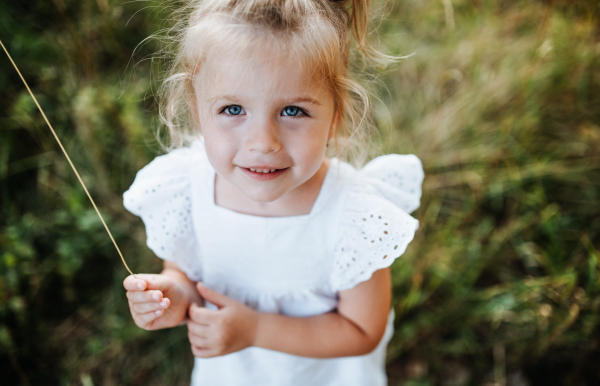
354, 329
160, 301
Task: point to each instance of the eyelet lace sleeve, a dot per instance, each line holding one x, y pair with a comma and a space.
160, 195
375, 227
398, 178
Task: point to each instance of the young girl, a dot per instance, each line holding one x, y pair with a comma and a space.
276, 256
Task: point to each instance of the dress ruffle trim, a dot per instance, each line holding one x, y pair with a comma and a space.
375, 227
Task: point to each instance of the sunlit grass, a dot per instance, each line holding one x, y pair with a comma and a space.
504, 112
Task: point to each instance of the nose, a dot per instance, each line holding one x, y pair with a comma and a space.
263, 136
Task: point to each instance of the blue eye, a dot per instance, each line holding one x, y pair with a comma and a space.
233, 110
291, 111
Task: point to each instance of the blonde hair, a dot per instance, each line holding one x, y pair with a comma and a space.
318, 31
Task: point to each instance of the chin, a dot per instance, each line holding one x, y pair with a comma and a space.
262, 196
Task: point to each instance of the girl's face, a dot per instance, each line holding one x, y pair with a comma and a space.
266, 122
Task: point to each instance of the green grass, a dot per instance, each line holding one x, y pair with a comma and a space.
504, 112
501, 284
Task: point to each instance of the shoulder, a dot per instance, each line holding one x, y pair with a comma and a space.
398, 178
392, 181
166, 176
376, 226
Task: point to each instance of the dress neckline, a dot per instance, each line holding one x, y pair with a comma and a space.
318, 205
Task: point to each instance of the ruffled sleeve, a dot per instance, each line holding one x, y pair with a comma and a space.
376, 227
398, 178
161, 196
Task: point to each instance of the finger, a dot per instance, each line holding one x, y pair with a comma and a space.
143, 320
144, 296
142, 308
144, 281
202, 352
198, 340
201, 315
157, 282
214, 297
201, 330
132, 284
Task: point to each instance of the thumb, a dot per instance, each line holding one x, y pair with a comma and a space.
214, 297
156, 282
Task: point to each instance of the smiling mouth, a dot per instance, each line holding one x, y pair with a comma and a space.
264, 173
264, 170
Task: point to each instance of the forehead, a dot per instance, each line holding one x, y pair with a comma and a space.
262, 67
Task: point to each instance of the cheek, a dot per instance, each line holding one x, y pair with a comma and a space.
220, 147
308, 148
312, 139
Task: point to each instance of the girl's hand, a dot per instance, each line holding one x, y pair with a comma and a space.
156, 301
231, 328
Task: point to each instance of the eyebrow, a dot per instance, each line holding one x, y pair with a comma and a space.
313, 101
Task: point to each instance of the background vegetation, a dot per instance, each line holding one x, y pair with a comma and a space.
501, 101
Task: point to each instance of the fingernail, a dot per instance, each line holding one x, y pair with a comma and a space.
158, 312
140, 285
163, 304
156, 296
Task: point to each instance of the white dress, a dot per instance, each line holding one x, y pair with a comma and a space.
289, 265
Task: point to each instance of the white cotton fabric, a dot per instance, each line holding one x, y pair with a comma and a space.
289, 265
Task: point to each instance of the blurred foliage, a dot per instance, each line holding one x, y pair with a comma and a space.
63, 315
501, 101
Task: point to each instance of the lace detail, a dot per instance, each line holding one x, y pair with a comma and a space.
160, 195
375, 228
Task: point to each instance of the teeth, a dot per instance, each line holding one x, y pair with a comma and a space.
262, 170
